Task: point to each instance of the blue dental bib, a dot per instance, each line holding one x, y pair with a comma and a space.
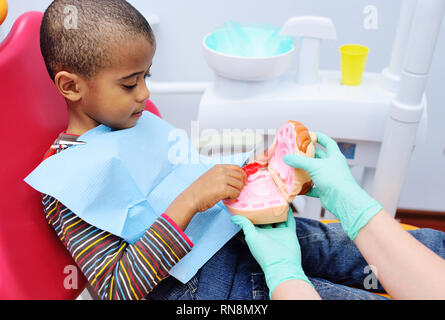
121, 181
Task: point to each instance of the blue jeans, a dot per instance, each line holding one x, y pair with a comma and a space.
330, 260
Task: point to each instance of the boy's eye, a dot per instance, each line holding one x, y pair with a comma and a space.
134, 86
130, 87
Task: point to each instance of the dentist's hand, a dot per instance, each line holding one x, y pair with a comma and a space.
336, 187
276, 249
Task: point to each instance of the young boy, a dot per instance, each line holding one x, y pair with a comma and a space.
99, 66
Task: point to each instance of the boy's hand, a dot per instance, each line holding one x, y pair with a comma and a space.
223, 181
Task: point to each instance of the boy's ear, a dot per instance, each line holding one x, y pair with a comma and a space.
68, 85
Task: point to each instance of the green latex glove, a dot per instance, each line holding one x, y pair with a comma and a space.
276, 249
336, 187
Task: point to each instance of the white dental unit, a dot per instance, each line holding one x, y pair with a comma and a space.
376, 123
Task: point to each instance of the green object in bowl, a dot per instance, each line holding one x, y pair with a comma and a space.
252, 40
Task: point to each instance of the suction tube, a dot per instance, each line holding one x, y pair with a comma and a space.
391, 74
408, 105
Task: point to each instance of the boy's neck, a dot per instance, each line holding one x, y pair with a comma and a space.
79, 123
76, 131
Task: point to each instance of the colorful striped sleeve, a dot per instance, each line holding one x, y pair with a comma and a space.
114, 268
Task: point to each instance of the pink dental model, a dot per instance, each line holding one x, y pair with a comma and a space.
272, 184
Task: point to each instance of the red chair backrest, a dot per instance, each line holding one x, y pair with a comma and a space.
34, 264
150, 106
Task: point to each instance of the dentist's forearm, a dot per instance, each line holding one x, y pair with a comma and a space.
405, 268
295, 289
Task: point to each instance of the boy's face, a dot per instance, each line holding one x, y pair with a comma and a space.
116, 96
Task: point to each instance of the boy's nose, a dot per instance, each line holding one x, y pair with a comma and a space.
144, 93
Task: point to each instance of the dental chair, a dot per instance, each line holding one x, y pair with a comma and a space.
34, 264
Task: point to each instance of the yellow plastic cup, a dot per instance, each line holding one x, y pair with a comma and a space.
353, 61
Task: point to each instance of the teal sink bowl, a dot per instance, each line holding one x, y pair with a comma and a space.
253, 52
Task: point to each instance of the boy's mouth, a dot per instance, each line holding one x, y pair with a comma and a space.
137, 114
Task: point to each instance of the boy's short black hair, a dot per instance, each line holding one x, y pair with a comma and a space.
75, 35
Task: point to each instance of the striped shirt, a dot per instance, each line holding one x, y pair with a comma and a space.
114, 268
